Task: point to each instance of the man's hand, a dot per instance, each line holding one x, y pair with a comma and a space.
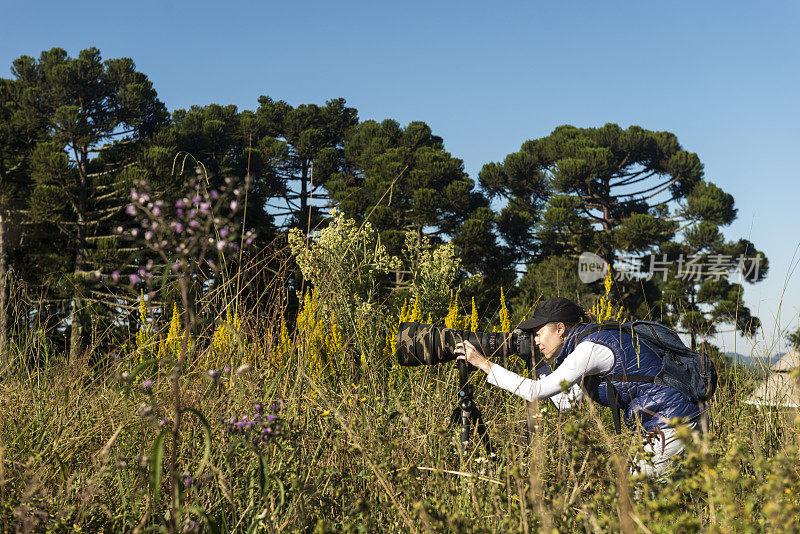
466, 351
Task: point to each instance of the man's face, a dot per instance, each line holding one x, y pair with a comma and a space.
548, 338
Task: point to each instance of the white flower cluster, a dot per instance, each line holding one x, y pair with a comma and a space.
434, 271
342, 252
344, 262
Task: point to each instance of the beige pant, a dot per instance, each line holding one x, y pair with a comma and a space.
663, 446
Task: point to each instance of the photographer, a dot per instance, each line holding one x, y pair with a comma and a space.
590, 364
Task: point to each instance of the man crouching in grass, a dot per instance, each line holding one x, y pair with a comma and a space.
590, 364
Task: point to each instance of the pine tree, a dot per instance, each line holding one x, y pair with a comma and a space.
303, 148
17, 135
403, 179
95, 114
606, 190
224, 142
793, 339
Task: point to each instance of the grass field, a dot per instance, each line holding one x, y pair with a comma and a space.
242, 418
89, 446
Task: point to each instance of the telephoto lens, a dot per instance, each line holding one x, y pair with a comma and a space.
424, 344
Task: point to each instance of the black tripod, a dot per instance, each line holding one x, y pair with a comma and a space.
467, 412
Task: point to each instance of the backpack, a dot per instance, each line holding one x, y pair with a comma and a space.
690, 372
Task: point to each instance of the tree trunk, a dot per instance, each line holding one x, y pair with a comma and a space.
3, 288
304, 207
693, 327
76, 327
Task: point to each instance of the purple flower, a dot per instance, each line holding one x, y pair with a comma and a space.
135, 232
156, 211
234, 205
227, 370
214, 194
180, 204
131, 210
115, 276
205, 208
147, 385
134, 279
224, 232
258, 408
148, 235
186, 478
271, 417
164, 421
196, 199
194, 223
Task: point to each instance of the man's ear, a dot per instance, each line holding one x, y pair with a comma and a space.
561, 328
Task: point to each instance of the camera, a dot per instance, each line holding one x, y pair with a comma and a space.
424, 344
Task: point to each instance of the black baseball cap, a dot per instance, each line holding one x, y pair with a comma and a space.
554, 310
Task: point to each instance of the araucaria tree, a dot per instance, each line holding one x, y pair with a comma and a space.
302, 148
16, 137
402, 179
94, 113
613, 191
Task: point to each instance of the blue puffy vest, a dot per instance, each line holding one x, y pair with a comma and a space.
653, 404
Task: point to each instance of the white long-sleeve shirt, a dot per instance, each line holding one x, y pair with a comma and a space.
587, 359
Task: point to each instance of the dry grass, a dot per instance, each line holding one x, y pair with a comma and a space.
356, 456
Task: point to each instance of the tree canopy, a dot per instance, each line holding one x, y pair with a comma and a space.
403, 179
632, 192
94, 114
78, 134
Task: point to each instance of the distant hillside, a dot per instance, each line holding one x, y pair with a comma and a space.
755, 363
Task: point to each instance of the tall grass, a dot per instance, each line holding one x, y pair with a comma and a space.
82, 446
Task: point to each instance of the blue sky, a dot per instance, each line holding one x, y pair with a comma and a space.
722, 76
